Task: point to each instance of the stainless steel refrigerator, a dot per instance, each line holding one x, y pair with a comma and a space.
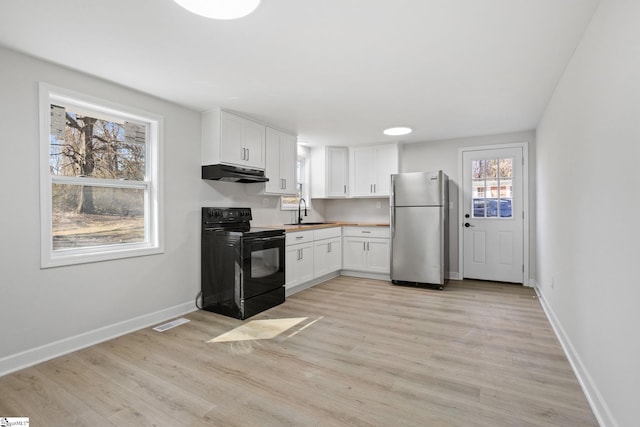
419, 204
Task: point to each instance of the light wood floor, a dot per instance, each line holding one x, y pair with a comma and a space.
368, 353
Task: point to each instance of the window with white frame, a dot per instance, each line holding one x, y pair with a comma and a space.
100, 179
290, 203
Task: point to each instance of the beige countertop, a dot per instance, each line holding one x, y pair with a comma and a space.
303, 226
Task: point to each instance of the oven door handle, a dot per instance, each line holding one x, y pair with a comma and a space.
266, 239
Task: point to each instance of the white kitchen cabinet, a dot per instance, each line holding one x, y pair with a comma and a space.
232, 140
329, 172
298, 258
327, 255
299, 264
366, 249
370, 170
280, 163
354, 252
327, 251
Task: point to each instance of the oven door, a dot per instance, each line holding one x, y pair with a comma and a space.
262, 265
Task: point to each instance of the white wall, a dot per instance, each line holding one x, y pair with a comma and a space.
588, 150
45, 312
436, 155
43, 306
375, 211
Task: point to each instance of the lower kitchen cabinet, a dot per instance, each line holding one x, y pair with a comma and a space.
366, 249
311, 256
298, 264
327, 256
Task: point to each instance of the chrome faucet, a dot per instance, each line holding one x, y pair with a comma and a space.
305, 210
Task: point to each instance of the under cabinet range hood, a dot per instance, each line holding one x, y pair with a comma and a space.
232, 174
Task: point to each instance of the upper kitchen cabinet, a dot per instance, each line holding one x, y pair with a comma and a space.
370, 170
329, 172
280, 163
232, 140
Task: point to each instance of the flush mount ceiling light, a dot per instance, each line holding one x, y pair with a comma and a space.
220, 9
398, 131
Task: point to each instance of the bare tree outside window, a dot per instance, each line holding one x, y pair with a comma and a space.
92, 214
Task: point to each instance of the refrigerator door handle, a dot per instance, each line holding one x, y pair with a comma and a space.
393, 221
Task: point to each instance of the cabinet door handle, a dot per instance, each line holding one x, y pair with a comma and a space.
375, 190
367, 245
247, 154
329, 248
364, 246
345, 189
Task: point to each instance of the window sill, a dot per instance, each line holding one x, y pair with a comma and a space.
73, 257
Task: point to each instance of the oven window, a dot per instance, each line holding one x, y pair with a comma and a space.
265, 262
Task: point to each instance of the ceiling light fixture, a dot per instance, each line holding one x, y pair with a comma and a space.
220, 9
397, 131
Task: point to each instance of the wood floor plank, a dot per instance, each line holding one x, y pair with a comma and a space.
368, 353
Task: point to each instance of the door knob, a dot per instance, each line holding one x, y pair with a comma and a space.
466, 224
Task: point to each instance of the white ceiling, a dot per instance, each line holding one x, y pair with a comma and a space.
333, 71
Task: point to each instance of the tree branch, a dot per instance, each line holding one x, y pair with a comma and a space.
73, 123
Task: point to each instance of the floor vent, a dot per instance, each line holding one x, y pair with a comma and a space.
172, 324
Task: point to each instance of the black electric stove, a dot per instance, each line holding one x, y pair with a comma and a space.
243, 271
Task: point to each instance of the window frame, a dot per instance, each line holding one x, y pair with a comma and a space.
152, 184
487, 194
302, 182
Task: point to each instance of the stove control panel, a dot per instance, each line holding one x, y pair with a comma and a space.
212, 215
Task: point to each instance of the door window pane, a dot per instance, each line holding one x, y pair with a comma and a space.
492, 168
492, 188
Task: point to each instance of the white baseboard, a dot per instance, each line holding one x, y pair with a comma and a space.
594, 397
365, 275
40, 354
306, 285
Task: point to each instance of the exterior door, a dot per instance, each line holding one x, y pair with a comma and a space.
493, 214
